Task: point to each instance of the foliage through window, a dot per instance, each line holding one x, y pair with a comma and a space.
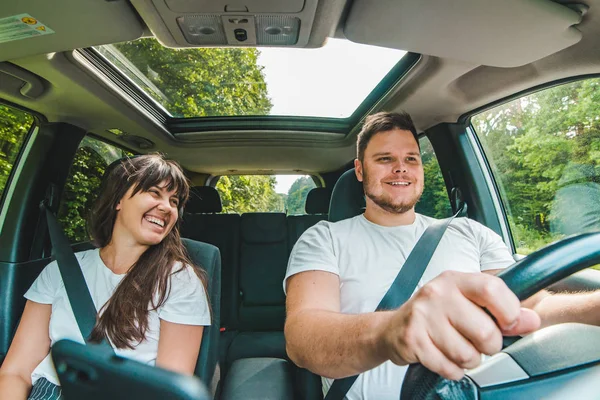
14, 126
90, 162
434, 201
258, 193
544, 151
295, 199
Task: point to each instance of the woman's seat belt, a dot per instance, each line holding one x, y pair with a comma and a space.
77, 291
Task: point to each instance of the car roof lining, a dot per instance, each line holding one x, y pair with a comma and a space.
83, 25
464, 29
436, 90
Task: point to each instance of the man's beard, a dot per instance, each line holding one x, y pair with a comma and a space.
384, 202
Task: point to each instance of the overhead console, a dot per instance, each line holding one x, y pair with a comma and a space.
206, 23
505, 33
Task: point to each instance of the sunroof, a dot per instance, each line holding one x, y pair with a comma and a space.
331, 81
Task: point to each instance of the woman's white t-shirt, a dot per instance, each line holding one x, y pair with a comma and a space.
187, 304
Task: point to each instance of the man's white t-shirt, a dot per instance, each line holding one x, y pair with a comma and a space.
367, 257
187, 304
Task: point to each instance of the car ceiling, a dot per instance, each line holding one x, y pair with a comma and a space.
474, 53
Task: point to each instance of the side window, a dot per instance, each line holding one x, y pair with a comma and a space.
434, 201
264, 193
14, 126
544, 152
91, 159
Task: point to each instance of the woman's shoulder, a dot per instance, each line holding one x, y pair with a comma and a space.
87, 255
184, 273
84, 259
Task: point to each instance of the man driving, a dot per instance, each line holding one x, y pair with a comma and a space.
338, 273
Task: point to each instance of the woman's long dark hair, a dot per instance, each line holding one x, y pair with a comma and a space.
146, 286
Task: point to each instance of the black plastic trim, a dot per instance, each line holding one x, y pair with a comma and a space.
461, 168
577, 382
215, 124
557, 348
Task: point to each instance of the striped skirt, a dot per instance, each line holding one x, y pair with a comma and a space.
45, 390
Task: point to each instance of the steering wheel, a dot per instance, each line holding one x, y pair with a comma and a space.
541, 364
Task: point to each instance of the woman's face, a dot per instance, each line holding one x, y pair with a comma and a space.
147, 217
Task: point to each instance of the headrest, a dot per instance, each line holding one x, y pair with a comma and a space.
348, 198
317, 201
203, 199
263, 227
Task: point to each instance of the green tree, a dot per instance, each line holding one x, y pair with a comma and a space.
14, 125
296, 196
249, 193
530, 143
81, 188
197, 82
205, 82
190, 83
434, 201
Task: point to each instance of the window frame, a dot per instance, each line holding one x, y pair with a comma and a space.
213, 180
490, 178
13, 177
427, 184
96, 138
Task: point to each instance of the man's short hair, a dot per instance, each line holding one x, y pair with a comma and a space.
382, 122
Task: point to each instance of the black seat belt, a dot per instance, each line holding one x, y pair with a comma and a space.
403, 286
77, 291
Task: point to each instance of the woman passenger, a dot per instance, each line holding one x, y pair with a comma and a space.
151, 299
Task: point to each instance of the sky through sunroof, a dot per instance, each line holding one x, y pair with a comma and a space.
331, 81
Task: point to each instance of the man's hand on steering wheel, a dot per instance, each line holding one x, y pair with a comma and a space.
444, 327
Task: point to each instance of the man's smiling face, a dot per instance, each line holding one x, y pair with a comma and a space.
391, 171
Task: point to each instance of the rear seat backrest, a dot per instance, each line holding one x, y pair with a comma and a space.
200, 222
263, 262
316, 207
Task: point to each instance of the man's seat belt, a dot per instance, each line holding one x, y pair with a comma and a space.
77, 291
403, 286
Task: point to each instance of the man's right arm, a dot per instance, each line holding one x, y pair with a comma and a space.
443, 326
322, 339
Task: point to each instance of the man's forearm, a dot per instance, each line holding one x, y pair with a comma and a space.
335, 345
577, 307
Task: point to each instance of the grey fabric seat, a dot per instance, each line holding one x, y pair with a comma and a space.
207, 256
259, 379
317, 209
263, 262
202, 222
254, 249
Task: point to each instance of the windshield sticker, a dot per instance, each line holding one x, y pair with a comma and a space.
21, 26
